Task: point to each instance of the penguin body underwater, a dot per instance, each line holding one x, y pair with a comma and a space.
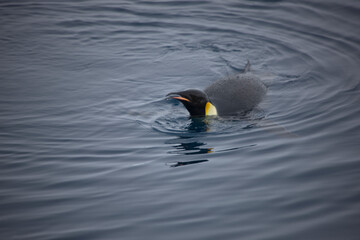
233, 95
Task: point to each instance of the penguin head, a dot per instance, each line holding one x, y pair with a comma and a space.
195, 101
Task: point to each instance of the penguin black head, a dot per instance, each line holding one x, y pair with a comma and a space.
195, 101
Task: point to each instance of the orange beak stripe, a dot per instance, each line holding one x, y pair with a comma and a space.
181, 98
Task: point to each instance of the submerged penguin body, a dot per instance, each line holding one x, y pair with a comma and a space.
236, 94
230, 96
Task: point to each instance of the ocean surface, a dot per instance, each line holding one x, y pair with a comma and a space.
90, 148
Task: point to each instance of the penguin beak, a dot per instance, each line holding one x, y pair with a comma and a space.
177, 96
181, 99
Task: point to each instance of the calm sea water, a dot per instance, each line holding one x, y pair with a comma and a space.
91, 149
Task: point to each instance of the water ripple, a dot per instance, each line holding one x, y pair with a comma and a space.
88, 139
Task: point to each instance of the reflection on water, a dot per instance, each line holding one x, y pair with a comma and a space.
191, 142
198, 125
179, 164
190, 145
190, 148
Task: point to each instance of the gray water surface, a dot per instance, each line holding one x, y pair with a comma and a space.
91, 149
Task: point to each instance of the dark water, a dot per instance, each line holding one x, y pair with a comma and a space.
90, 149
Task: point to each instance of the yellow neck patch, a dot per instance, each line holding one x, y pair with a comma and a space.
210, 110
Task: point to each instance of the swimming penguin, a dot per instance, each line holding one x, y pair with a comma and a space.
230, 96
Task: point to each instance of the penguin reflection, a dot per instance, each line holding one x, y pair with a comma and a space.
192, 148
198, 124
189, 146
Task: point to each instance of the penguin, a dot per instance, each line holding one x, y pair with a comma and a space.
233, 95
